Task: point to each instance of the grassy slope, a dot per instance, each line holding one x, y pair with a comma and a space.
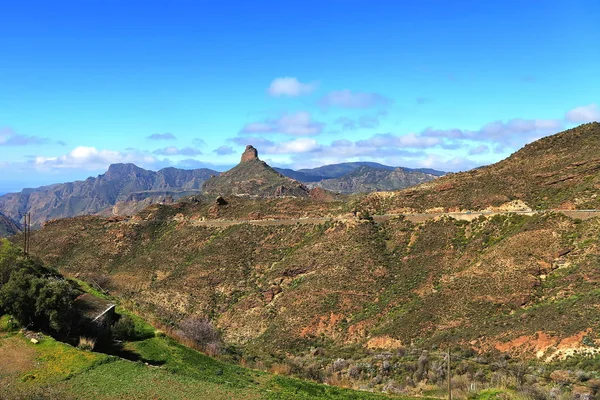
559, 170
169, 370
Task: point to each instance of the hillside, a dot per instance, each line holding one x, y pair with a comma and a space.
366, 179
354, 281
253, 177
36, 365
93, 195
558, 171
525, 285
8, 226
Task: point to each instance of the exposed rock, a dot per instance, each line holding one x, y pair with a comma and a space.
270, 293
280, 191
562, 376
581, 392
249, 154
318, 352
221, 201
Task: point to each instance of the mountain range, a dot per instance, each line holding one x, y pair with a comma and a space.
119, 183
126, 188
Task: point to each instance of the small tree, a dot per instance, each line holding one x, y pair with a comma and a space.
200, 331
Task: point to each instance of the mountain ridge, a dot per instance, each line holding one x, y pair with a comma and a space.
557, 171
95, 194
367, 179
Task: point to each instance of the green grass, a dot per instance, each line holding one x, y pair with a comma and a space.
179, 373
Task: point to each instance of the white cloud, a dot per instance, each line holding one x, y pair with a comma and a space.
514, 132
362, 122
300, 145
176, 151
90, 158
290, 86
223, 150
408, 140
348, 99
162, 136
589, 113
8, 137
297, 124
481, 149
253, 140
442, 163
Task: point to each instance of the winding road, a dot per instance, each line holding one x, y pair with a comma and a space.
413, 217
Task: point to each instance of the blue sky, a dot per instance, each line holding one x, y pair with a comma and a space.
440, 84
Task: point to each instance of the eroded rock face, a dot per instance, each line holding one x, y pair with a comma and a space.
249, 154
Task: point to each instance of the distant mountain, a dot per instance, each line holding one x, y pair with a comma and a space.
254, 177
339, 170
298, 175
366, 179
93, 195
8, 227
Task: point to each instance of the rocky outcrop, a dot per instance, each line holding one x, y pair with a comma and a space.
249, 154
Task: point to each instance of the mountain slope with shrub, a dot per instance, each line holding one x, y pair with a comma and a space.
286, 286
307, 294
36, 302
253, 177
558, 171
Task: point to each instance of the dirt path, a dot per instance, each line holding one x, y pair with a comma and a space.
413, 217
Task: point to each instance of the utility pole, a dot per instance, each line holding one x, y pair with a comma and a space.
449, 376
27, 233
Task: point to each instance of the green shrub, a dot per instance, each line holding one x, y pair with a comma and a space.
124, 328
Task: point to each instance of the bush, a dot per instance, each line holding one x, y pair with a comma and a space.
33, 295
124, 328
200, 331
101, 281
86, 343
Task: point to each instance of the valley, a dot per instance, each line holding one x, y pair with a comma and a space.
321, 285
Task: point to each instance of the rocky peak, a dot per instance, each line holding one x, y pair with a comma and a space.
123, 170
249, 154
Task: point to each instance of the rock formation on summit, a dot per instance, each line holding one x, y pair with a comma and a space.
253, 177
249, 154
